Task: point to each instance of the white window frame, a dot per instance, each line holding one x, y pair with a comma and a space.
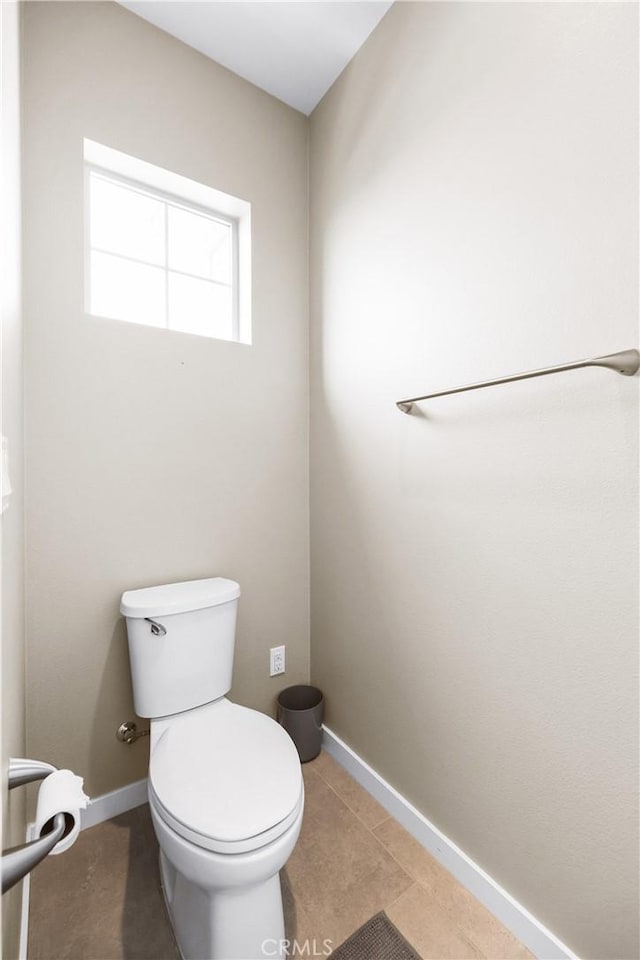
189, 195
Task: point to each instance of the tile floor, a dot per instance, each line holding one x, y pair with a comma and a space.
101, 899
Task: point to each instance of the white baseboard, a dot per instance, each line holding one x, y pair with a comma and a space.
513, 915
112, 804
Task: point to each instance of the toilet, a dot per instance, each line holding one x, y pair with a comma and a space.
225, 783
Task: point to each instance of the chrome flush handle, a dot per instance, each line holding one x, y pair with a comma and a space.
156, 628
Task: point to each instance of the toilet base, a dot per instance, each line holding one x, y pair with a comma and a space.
224, 906
237, 924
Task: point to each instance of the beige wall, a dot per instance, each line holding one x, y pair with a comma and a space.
12, 529
154, 456
474, 570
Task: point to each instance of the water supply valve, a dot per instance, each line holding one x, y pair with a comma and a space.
128, 732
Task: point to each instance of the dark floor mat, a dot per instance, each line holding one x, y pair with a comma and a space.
377, 939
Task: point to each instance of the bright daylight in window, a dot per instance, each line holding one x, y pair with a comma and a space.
157, 259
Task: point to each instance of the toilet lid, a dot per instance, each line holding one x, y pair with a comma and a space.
226, 773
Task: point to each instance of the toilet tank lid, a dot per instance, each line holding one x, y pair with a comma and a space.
178, 597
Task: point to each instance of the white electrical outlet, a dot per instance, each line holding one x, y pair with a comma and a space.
276, 661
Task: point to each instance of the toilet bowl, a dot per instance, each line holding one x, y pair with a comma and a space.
222, 906
225, 784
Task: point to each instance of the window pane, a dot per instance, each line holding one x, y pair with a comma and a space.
199, 245
126, 222
125, 290
201, 307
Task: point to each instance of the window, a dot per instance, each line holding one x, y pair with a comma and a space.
160, 258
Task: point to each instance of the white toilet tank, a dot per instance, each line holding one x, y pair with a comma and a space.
181, 640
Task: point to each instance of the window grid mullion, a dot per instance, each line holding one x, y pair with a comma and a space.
159, 266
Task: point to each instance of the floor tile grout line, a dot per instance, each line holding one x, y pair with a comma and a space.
379, 824
408, 872
400, 896
348, 805
342, 799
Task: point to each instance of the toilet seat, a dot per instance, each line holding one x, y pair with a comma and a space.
226, 778
248, 845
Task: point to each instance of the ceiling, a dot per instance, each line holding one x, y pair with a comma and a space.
292, 50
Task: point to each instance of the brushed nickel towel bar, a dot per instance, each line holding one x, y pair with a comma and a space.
626, 362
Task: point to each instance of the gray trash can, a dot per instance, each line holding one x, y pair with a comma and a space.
300, 712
